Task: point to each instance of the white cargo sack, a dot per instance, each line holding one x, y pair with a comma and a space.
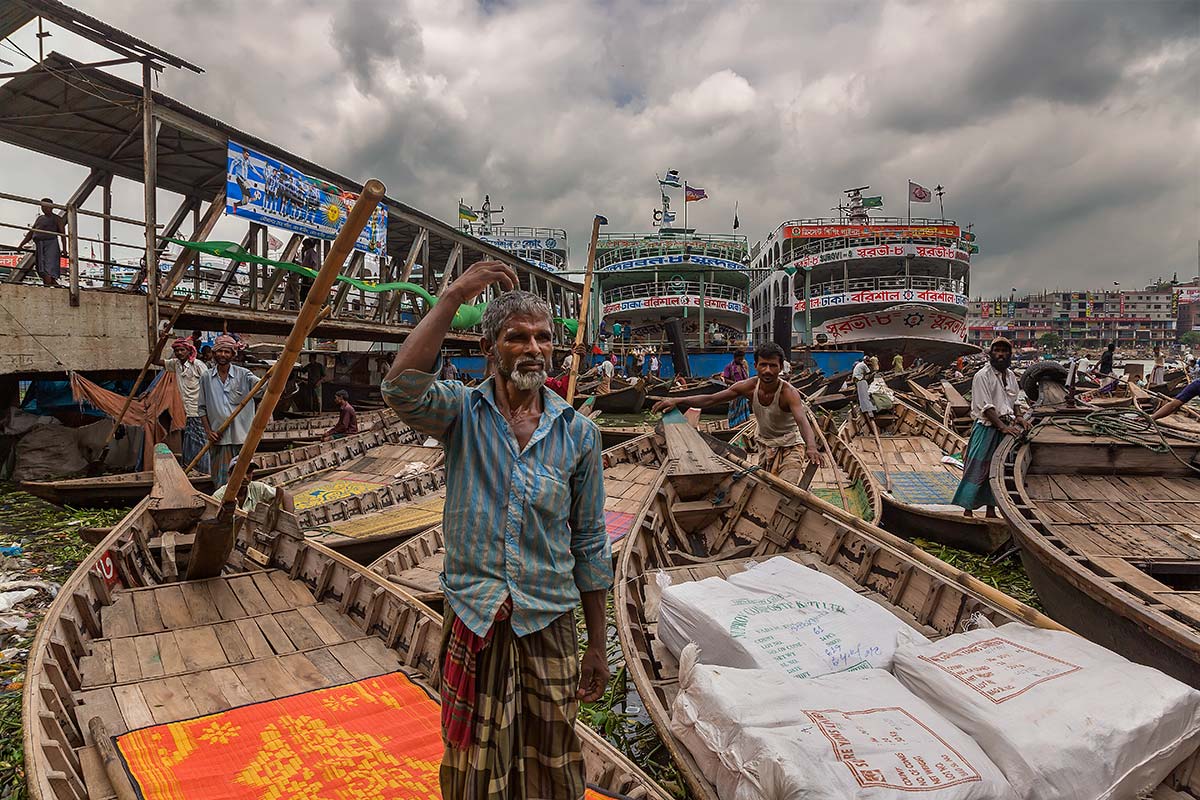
779, 615
760, 735
1060, 716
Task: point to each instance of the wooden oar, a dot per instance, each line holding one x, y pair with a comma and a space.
812, 418
249, 396
215, 537
887, 476
964, 579
94, 467
584, 302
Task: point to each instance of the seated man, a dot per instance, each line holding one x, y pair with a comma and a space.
347, 423
254, 492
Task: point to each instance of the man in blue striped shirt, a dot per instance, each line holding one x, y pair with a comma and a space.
525, 543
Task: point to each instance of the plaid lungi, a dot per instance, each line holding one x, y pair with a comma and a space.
194, 439
524, 745
221, 455
787, 462
739, 411
975, 490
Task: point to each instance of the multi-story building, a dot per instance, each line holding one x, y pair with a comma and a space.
1135, 318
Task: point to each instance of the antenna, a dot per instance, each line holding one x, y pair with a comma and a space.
855, 192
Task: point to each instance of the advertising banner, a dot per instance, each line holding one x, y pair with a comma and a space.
887, 296
671, 301
549, 243
272, 193
835, 231
1188, 295
675, 261
882, 251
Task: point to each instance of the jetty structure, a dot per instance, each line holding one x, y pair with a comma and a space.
546, 248
883, 285
194, 170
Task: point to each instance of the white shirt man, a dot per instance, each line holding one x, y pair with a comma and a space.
654, 365
989, 390
606, 369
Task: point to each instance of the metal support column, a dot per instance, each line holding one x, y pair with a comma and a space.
808, 307
106, 231
73, 253
703, 275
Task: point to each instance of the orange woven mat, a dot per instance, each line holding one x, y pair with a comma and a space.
375, 739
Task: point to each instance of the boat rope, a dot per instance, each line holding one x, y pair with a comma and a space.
1129, 425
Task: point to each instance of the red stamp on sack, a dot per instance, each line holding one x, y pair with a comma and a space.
999, 669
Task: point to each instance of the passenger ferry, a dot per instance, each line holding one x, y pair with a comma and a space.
646, 281
883, 285
543, 247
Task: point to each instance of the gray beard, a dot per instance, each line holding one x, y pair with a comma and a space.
527, 381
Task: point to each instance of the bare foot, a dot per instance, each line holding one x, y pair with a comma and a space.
968, 512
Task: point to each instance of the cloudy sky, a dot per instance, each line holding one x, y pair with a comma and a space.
1068, 131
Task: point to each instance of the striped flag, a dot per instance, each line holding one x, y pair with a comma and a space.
692, 194
465, 212
672, 179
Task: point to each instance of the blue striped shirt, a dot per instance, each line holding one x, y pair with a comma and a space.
527, 523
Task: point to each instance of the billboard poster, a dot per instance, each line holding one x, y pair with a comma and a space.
269, 192
838, 231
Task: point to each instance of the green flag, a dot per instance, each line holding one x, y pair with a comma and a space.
972, 248
465, 212
873, 202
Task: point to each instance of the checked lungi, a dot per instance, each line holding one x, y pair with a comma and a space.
194, 439
786, 462
975, 490
739, 411
524, 745
221, 455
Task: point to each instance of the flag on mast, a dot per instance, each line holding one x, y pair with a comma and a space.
873, 202
666, 201
671, 179
692, 194
918, 193
736, 223
465, 212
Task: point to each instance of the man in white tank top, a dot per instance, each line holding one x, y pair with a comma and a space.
785, 438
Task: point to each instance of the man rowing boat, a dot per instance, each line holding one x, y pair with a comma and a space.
782, 417
525, 543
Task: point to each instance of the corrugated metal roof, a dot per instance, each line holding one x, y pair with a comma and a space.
87, 116
14, 14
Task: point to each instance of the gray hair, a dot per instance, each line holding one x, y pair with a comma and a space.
509, 304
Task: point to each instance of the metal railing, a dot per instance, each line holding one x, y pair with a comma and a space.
635, 290
727, 246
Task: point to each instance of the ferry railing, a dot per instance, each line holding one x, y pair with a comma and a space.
692, 288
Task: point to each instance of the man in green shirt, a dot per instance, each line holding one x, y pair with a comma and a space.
254, 492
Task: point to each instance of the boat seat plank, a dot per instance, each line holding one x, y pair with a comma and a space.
275, 635
126, 664
226, 601
357, 661
145, 612
265, 679
118, 618
304, 671
172, 606
295, 592
169, 653
99, 703
95, 777
253, 637
149, 660
320, 625
298, 630
328, 666
232, 642
96, 669
133, 706
200, 602
168, 700
248, 594
1186, 604
270, 592
204, 693
201, 648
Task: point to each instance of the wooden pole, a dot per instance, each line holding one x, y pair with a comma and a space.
585, 301
818, 431
246, 400
150, 186
958, 576
215, 538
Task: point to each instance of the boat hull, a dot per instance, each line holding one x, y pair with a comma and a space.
102, 492
977, 534
913, 330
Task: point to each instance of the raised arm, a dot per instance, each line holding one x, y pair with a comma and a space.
421, 348
739, 389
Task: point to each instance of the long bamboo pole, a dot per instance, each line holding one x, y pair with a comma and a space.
820, 433
215, 538
585, 302
968, 581
246, 400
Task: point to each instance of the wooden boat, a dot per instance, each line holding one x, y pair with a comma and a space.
760, 517
1183, 422
393, 433
286, 617
1108, 536
631, 474
103, 491
691, 389
1120, 396
843, 481
615, 435
907, 464
286, 432
625, 399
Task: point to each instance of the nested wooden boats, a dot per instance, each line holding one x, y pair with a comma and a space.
395, 432
843, 481
760, 517
1109, 533
942, 402
615, 435
103, 491
631, 475
285, 432
286, 617
916, 465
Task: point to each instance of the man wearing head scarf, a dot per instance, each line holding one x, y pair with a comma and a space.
221, 389
189, 370
998, 412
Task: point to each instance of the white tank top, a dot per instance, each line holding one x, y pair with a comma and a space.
776, 426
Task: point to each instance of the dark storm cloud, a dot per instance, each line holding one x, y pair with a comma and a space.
1064, 129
